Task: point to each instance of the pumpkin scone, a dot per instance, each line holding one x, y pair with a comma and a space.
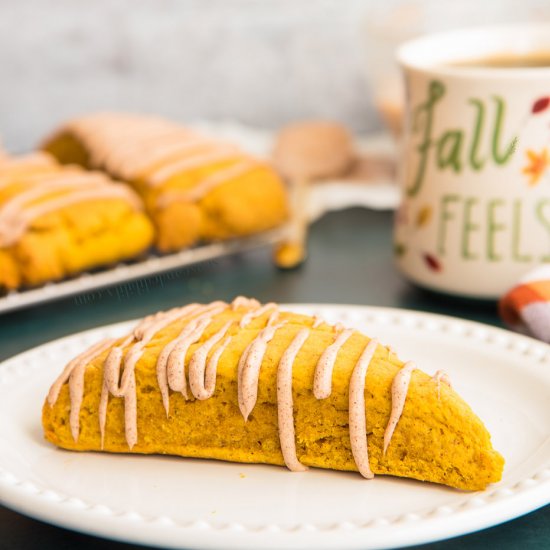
57, 221
247, 382
195, 188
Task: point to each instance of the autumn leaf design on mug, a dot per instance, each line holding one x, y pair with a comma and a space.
476, 160
538, 162
423, 217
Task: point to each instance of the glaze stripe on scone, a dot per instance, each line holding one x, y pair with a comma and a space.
250, 383
195, 188
57, 221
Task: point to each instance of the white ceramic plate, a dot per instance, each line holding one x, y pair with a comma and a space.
183, 503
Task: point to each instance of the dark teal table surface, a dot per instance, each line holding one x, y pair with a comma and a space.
350, 262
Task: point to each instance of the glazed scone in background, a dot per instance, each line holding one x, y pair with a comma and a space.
58, 221
437, 437
195, 188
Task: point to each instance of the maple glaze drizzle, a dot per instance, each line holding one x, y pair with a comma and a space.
28, 175
58, 183
32, 160
170, 369
248, 371
399, 390
243, 301
357, 416
74, 373
317, 322
133, 146
159, 150
441, 376
208, 184
322, 381
59, 190
285, 405
257, 312
141, 335
217, 153
202, 375
170, 374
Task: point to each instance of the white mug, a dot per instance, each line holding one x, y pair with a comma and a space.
475, 174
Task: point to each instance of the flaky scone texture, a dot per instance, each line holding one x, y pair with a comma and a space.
247, 196
438, 438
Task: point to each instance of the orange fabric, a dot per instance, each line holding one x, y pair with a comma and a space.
526, 307
515, 300
511, 304
542, 288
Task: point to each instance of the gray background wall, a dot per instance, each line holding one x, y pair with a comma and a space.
263, 62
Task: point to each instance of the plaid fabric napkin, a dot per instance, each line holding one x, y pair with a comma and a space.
526, 308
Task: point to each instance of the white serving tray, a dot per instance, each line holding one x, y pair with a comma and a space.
124, 272
323, 197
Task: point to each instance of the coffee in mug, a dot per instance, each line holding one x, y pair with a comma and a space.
475, 174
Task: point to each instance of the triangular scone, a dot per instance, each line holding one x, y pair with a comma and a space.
195, 188
249, 383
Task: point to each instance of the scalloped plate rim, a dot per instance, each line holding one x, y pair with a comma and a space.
506, 503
